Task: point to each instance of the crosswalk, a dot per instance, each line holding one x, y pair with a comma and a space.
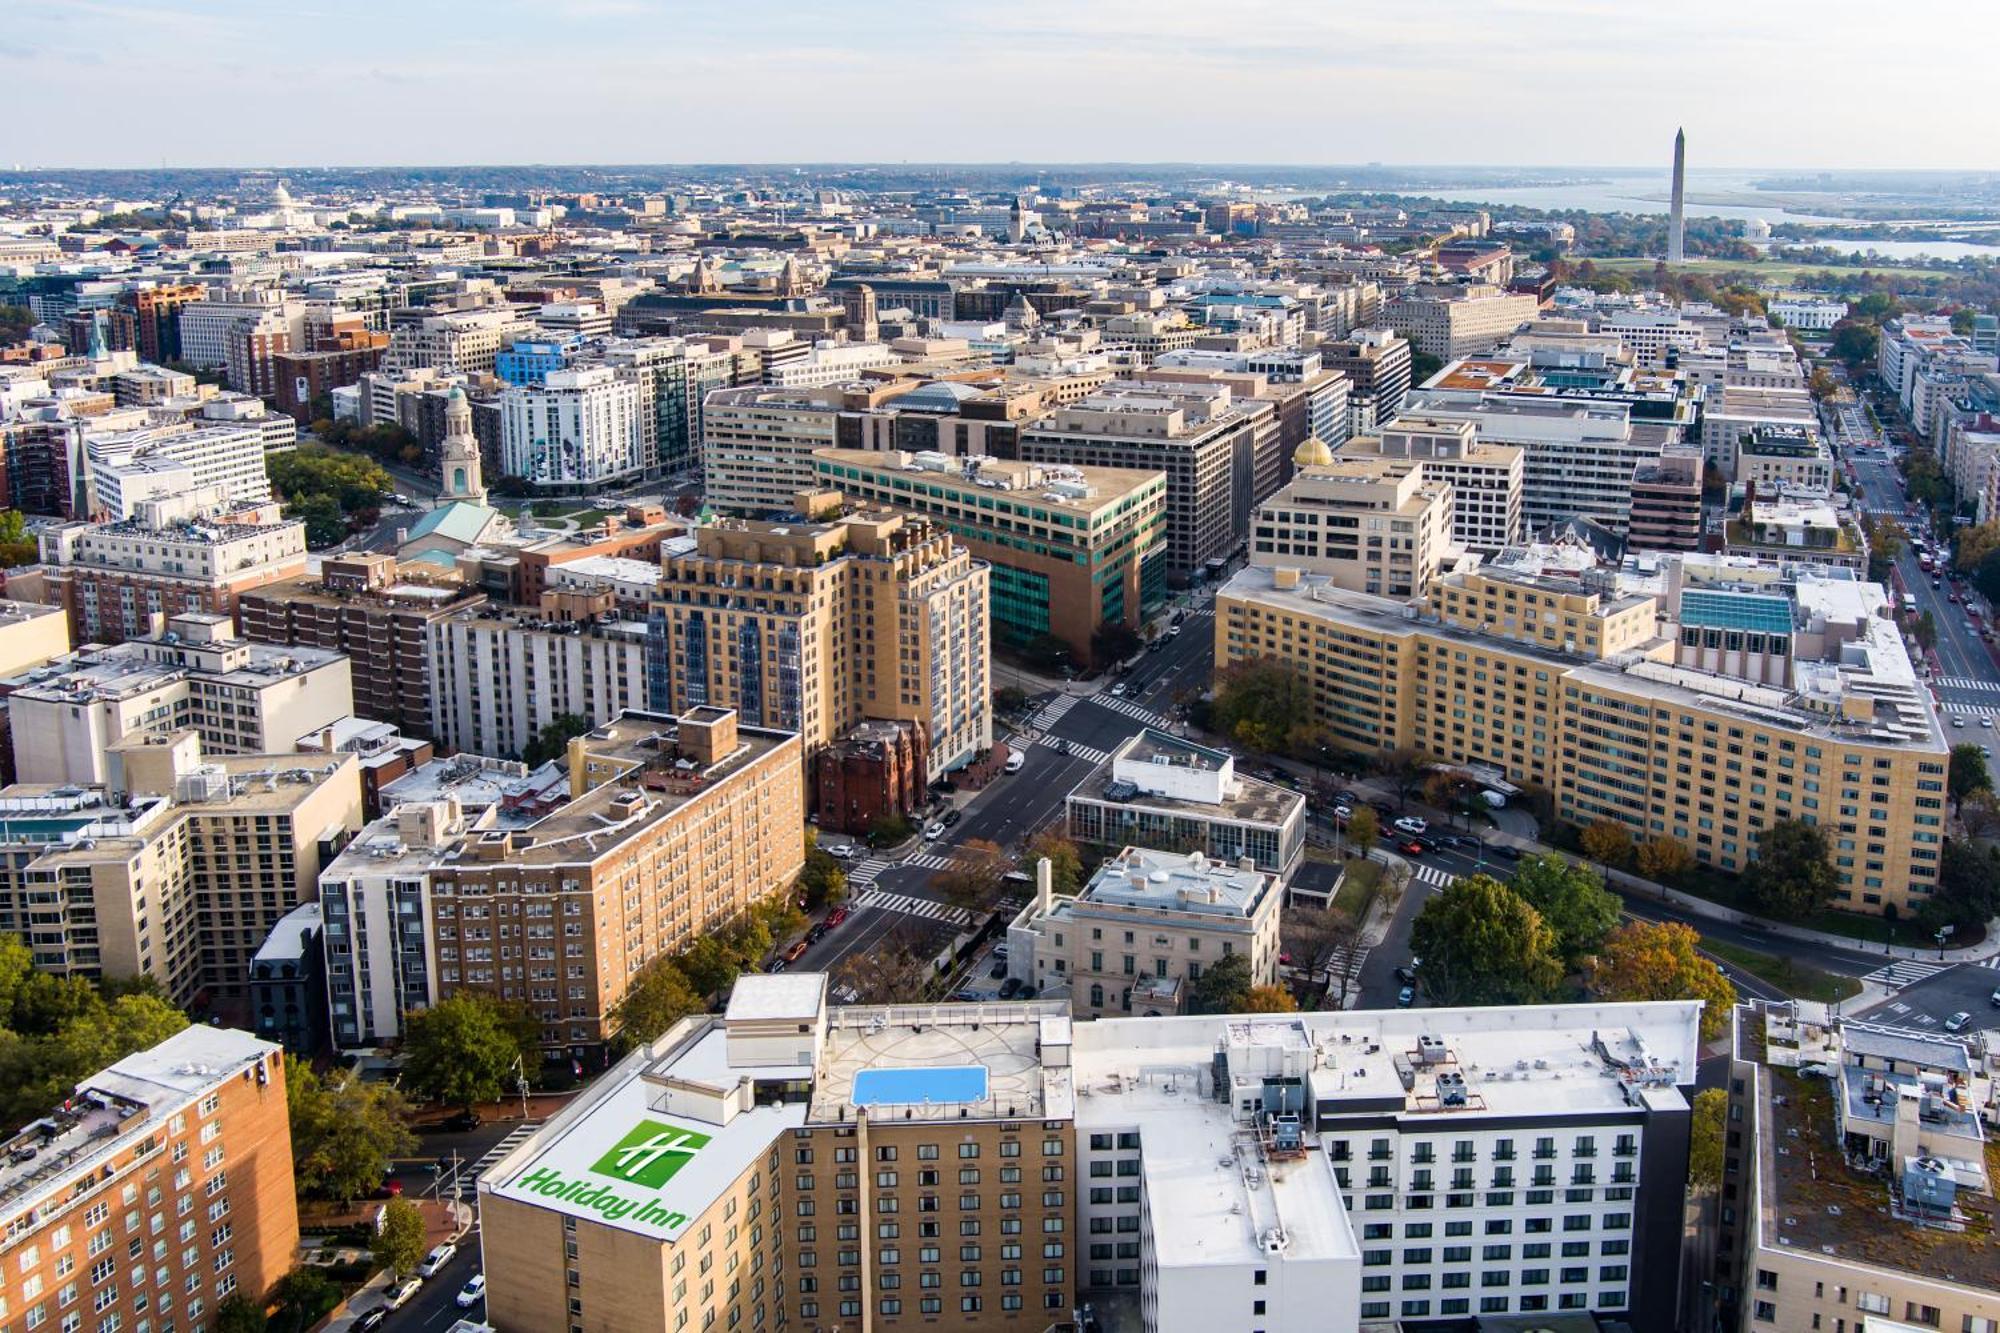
1137, 711
927, 908
1434, 875
866, 872
1970, 710
468, 1179
928, 861
1076, 749
1969, 683
1051, 712
1905, 972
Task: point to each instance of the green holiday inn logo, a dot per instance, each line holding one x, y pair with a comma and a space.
650, 1154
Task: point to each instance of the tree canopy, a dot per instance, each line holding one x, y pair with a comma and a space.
1065, 860
399, 1241
1608, 841
1664, 859
1968, 772
1222, 988
973, 880
1481, 943
552, 741
1792, 876
1662, 961
327, 488
344, 1133
1572, 901
1968, 887
1260, 702
1706, 1130
461, 1050
658, 997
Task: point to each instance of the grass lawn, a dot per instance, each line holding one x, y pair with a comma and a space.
1795, 979
1358, 890
1718, 888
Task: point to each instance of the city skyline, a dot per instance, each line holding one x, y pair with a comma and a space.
1299, 87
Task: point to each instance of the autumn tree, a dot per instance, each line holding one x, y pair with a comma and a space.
1483, 944
973, 881
1572, 901
1968, 772
1269, 1000
1792, 876
1065, 861
1975, 544
1662, 961
1363, 828
1259, 702
1609, 842
1664, 859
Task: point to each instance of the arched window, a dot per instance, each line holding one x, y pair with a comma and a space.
1096, 996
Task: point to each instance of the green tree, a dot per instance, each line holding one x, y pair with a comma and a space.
354, 483
16, 546
1481, 943
1968, 887
822, 882
1423, 365
1855, 342
1792, 876
552, 741
16, 323
1363, 828
399, 1241
304, 1296
344, 1133
659, 997
1925, 631
1258, 702
461, 1050
237, 1313
1706, 1130
708, 966
1662, 961
1222, 988
1065, 861
1572, 902
325, 524
1968, 772
1114, 641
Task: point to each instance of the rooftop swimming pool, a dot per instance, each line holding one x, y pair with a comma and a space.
928, 1086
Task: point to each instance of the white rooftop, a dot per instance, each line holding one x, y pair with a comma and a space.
777, 995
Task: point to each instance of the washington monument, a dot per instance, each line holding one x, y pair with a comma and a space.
1675, 252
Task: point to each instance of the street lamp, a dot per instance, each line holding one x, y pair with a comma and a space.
1944, 933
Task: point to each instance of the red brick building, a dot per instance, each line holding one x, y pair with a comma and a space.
875, 770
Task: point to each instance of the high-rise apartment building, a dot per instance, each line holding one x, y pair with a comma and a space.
459, 342
1570, 681
579, 428
757, 445
1577, 459
815, 627
364, 607
178, 867
162, 1187
1071, 549
1666, 503
994, 1166
1487, 480
1377, 365
498, 677
1450, 320
674, 826
224, 455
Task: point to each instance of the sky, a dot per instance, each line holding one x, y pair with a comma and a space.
1823, 84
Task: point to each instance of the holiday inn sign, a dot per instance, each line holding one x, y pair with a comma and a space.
647, 1157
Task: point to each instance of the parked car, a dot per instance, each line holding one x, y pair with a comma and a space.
1000, 952
1411, 824
1407, 975
816, 933
1505, 851
439, 1256
400, 1294
1406, 997
796, 952
934, 829
835, 917
1342, 813
1014, 986
952, 817
998, 970
1958, 1022
472, 1292
776, 964
370, 1321
462, 1121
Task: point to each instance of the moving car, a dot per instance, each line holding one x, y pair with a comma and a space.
472, 1292
1411, 824
1958, 1021
1505, 851
1410, 847
1014, 762
439, 1256
952, 817
1118, 690
1342, 813
844, 851
934, 829
796, 952
1406, 997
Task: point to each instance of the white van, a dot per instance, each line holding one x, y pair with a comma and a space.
1014, 762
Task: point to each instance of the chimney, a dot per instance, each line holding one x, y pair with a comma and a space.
1044, 886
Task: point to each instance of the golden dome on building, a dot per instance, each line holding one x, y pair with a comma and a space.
1312, 452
